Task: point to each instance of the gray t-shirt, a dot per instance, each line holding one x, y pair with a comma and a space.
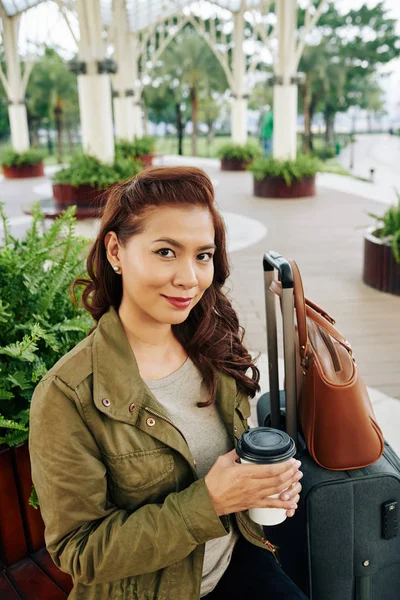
207, 437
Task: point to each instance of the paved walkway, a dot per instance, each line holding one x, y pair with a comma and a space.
324, 235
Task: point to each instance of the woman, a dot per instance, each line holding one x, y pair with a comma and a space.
132, 433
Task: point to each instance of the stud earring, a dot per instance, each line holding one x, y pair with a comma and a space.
116, 268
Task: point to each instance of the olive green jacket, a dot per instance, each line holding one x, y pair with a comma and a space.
125, 513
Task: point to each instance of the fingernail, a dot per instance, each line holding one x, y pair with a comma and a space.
286, 497
298, 463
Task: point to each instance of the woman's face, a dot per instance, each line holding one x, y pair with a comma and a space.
167, 268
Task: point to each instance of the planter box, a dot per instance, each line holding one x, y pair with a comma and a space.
146, 159
276, 187
84, 196
380, 268
23, 171
234, 164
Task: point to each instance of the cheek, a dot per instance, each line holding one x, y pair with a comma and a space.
206, 278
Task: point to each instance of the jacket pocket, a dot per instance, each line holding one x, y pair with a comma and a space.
140, 470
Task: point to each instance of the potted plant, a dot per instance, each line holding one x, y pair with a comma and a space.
16, 165
382, 251
141, 150
83, 182
38, 324
237, 157
275, 178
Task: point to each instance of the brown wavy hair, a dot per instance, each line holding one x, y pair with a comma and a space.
211, 335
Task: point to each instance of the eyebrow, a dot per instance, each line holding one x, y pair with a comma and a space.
181, 246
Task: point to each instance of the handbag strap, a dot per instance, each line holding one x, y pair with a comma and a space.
306, 308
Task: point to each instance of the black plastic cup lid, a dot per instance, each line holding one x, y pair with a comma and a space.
265, 445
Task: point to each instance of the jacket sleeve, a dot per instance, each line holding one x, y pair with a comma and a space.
86, 535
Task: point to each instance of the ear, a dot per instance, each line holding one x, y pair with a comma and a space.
112, 246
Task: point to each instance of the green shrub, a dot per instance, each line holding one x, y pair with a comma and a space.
291, 170
38, 321
246, 152
125, 149
84, 169
325, 152
11, 158
389, 227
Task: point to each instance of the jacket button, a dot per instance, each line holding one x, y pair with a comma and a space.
194, 462
234, 428
150, 422
132, 407
106, 402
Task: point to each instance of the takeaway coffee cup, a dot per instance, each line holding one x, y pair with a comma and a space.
266, 446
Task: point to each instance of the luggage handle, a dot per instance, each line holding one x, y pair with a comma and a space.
273, 261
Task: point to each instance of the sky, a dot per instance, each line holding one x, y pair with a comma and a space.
45, 24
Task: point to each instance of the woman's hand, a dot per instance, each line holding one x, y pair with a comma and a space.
234, 487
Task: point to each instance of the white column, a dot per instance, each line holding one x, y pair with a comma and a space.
123, 117
137, 119
94, 89
123, 82
285, 93
239, 91
19, 127
96, 116
15, 85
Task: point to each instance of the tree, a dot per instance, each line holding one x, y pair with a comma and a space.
52, 96
192, 72
350, 47
166, 102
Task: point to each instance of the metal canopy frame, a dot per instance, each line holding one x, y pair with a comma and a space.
12, 8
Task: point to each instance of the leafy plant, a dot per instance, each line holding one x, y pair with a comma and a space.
11, 158
124, 149
303, 166
324, 152
38, 320
84, 169
389, 227
246, 152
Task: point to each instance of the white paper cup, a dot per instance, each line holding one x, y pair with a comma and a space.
266, 516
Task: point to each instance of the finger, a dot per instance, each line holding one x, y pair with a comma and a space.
292, 491
290, 512
269, 502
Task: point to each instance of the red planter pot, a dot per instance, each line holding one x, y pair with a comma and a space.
380, 268
84, 196
233, 164
34, 526
146, 159
23, 171
13, 546
25, 564
276, 187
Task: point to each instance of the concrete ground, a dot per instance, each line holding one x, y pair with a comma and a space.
324, 235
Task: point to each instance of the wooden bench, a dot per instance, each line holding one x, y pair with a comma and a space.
26, 569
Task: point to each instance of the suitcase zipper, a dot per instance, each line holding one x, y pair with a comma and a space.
332, 351
266, 543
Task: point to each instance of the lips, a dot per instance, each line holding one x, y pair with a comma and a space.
178, 302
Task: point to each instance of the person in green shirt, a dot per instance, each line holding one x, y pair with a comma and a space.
266, 131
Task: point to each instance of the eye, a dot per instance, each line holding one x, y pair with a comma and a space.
165, 252
205, 257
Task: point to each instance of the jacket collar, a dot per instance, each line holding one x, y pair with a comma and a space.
117, 384
116, 379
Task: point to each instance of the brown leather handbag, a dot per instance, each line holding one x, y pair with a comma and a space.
335, 412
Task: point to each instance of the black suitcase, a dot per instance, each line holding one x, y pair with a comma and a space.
343, 542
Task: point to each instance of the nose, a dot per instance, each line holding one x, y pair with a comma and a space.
186, 275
